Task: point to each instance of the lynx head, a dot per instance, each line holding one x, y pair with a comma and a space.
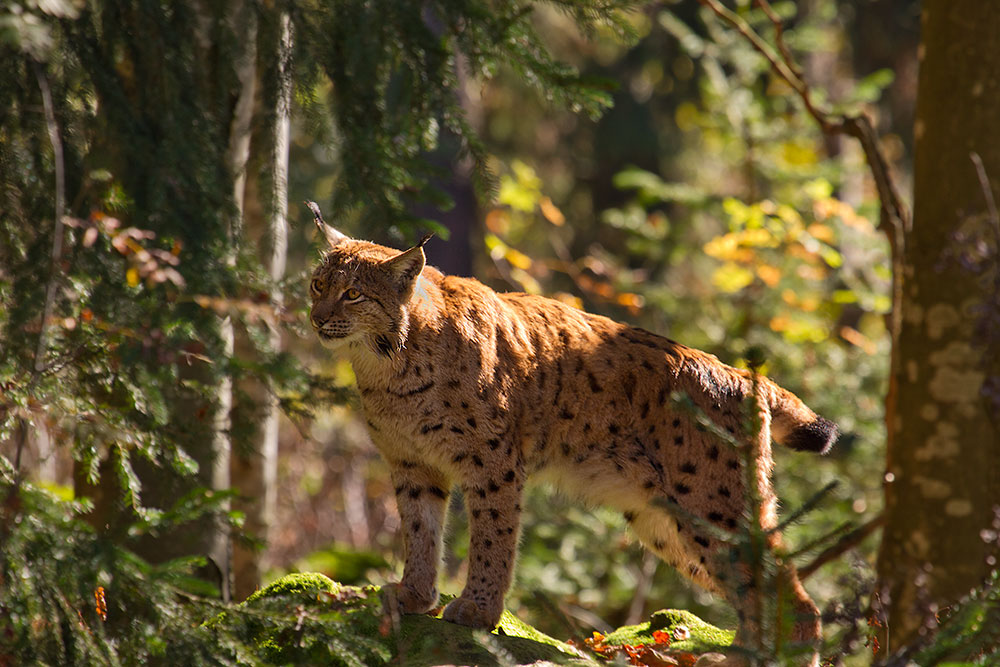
360, 292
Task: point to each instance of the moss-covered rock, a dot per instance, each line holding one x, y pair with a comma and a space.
701, 636
306, 582
311, 619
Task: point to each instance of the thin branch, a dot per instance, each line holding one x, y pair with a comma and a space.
779, 35
984, 183
844, 544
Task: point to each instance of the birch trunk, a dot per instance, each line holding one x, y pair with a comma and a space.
254, 461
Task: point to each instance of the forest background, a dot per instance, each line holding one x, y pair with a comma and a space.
170, 430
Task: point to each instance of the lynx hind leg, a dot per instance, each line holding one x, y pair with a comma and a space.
715, 566
669, 538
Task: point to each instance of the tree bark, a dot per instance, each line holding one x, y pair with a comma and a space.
943, 460
254, 462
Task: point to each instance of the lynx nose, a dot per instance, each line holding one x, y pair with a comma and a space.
319, 314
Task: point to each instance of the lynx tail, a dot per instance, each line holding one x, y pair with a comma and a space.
794, 425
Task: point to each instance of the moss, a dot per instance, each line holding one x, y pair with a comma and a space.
311, 619
296, 583
704, 637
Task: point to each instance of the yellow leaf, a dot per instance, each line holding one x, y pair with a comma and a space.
769, 274
758, 238
527, 281
569, 299
789, 215
723, 247
821, 232
798, 153
731, 277
132, 277
518, 259
551, 212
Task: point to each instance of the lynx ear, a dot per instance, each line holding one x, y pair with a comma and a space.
406, 266
333, 237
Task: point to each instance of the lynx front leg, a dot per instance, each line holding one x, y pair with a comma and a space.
421, 495
494, 507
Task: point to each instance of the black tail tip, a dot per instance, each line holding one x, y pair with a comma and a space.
816, 436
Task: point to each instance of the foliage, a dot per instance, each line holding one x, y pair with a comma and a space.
70, 596
970, 629
396, 72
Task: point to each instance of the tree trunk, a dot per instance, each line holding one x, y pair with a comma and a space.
943, 463
254, 461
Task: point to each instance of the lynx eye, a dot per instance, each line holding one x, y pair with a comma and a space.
316, 286
352, 295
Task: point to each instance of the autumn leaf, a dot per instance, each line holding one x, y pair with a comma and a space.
551, 212
100, 603
661, 637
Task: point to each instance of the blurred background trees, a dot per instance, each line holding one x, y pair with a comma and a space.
638, 161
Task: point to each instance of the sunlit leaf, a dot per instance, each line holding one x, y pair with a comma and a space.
497, 221
731, 277
831, 256
821, 232
844, 296
551, 212
819, 188
770, 275
132, 276
517, 259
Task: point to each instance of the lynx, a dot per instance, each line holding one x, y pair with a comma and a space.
461, 385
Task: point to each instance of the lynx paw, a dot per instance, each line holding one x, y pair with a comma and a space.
464, 611
406, 600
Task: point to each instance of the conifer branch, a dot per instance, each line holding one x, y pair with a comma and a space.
841, 546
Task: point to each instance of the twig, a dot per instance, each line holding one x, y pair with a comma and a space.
991, 204
842, 545
779, 35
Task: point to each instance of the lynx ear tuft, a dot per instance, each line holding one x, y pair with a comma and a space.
407, 265
333, 237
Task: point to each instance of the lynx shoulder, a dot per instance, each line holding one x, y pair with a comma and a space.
463, 386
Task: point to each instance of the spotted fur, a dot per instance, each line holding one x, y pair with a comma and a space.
461, 385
